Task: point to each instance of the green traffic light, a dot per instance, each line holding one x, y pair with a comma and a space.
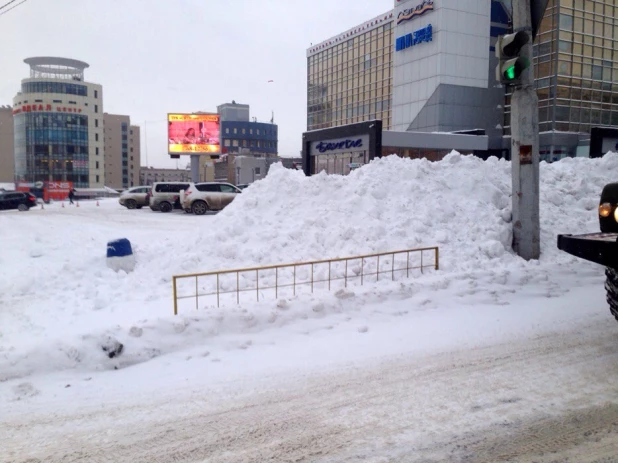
510, 73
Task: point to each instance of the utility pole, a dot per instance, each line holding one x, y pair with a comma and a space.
525, 146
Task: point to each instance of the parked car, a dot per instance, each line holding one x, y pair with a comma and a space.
200, 198
17, 200
135, 198
242, 186
165, 196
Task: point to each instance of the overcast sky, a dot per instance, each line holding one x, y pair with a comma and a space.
158, 56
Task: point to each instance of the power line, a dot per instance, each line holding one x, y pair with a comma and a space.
12, 8
7, 4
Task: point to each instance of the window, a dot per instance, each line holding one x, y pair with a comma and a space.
131, 160
258, 131
227, 130
131, 150
124, 138
235, 130
251, 131
257, 171
243, 131
96, 137
244, 143
234, 142
97, 179
96, 122
207, 187
96, 94
55, 101
227, 188
72, 102
566, 22
131, 131
97, 151
226, 142
96, 108
97, 164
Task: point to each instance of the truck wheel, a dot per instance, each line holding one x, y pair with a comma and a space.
611, 286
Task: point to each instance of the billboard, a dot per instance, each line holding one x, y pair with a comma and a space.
193, 133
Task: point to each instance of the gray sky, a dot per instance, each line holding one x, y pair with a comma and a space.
158, 56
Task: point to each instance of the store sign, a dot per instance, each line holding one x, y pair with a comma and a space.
45, 108
409, 40
411, 13
341, 145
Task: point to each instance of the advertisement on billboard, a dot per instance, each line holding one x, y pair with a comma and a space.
193, 133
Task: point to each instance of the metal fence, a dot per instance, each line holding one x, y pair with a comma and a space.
319, 274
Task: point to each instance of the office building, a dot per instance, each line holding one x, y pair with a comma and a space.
58, 125
240, 133
426, 69
7, 161
150, 175
122, 152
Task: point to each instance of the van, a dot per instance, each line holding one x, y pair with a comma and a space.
165, 196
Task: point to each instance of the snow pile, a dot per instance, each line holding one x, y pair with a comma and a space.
61, 307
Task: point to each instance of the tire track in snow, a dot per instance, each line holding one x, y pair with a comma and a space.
512, 402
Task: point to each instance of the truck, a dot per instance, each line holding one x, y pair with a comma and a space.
601, 248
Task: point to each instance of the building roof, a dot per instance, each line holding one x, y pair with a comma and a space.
42, 63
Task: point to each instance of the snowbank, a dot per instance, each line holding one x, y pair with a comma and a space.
60, 306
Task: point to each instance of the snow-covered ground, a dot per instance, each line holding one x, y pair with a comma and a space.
401, 369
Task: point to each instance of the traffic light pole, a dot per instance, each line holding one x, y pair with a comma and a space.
525, 148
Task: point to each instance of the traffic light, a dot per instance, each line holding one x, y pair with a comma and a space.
511, 65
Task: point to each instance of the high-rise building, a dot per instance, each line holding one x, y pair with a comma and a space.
7, 161
122, 152
576, 73
350, 76
58, 125
429, 66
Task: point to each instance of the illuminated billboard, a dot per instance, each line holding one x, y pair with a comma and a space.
193, 133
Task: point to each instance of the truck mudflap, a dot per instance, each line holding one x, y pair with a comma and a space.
601, 248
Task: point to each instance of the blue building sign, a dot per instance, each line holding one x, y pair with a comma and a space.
346, 144
409, 40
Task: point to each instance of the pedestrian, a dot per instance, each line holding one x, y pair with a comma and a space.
71, 195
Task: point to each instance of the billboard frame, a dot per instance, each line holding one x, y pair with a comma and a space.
176, 155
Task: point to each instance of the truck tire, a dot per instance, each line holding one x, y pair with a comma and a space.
611, 286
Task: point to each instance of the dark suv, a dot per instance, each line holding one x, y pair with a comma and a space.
17, 200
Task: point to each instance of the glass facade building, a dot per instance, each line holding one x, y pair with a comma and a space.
51, 146
58, 125
576, 72
351, 79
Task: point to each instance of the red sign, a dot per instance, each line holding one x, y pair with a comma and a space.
46, 108
51, 190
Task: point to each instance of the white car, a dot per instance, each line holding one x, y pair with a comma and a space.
200, 198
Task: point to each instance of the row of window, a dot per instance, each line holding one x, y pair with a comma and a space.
250, 143
243, 131
56, 87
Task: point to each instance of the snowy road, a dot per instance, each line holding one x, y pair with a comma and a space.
550, 398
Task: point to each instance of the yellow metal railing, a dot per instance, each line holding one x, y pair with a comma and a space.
277, 278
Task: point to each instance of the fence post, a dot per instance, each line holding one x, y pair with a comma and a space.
378, 270
312, 278
175, 296
329, 262
217, 290
257, 284
276, 282
362, 270
196, 294
437, 258
345, 276
408, 264
421, 261
237, 288
393, 268
294, 286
